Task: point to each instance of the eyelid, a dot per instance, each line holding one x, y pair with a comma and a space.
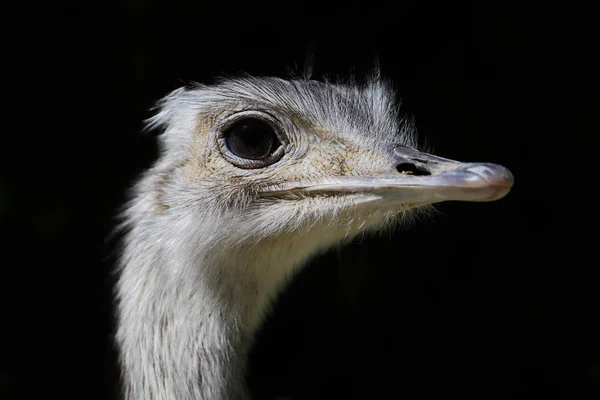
231, 119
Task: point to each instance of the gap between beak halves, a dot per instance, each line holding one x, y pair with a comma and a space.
415, 177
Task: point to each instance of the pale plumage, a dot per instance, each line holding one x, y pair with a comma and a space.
212, 236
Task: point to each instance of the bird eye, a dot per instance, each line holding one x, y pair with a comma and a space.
252, 139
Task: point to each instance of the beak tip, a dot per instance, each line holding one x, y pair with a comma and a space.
494, 174
495, 177
485, 181
501, 179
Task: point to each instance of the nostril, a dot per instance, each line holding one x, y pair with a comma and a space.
411, 169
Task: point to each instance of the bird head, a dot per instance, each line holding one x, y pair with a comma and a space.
277, 157
297, 163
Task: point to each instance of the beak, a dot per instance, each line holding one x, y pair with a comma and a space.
425, 178
418, 178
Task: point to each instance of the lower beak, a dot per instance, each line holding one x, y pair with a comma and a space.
421, 178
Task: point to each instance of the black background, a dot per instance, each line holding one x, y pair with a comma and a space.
484, 301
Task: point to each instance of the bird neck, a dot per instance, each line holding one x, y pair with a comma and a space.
186, 322
191, 297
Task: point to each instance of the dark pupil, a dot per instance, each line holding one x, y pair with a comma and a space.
251, 138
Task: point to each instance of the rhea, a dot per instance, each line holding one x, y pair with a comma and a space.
256, 176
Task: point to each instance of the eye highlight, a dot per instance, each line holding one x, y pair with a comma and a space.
251, 138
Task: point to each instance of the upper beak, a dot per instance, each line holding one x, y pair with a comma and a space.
431, 179
421, 178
